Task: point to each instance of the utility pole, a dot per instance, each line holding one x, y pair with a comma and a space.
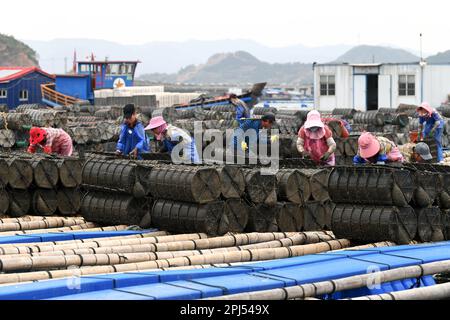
422, 64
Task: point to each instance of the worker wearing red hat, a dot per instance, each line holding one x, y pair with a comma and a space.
51, 140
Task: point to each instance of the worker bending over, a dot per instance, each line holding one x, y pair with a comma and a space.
376, 150
172, 136
242, 111
421, 153
51, 140
240, 139
434, 126
132, 140
315, 140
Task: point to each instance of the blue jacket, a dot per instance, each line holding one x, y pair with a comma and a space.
246, 125
358, 160
131, 138
242, 112
430, 122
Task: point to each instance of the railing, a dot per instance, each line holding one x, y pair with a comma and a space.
49, 93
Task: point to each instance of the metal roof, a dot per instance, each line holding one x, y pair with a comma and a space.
12, 73
7, 73
105, 62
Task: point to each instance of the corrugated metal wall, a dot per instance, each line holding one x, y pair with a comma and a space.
344, 87
31, 82
437, 84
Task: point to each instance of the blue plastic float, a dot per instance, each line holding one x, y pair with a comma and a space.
214, 282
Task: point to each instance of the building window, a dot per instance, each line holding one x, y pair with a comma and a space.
23, 95
3, 93
407, 85
84, 68
327, 86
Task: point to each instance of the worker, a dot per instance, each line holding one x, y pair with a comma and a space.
172, 136
315, 140
379, 150
434, 127
132, 140
240, 139
421, 153
242, 111
51, 140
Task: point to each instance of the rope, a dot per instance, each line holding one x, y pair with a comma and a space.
5, 119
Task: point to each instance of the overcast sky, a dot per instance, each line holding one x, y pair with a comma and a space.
270, 22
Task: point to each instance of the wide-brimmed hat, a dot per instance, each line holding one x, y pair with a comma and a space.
313, 120
37, 135
155, 123
426, 106
368, 145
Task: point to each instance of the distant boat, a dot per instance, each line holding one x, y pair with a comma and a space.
297, 104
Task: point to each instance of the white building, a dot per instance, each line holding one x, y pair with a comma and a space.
372, 86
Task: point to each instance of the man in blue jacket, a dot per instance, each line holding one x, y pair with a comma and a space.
132, 140
266, 122
242, 110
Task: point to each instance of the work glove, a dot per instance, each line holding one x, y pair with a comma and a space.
274, 138
381, 162
431, 134
244, 146
31, 149
118, 152
325, 156
306, 155
47, 149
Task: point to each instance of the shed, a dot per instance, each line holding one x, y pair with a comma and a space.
22, 85
372, 86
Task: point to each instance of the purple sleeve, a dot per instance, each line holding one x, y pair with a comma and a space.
436, 116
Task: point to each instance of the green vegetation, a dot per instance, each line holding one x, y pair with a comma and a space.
16, 53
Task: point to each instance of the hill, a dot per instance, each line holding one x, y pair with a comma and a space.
16, 53
376, 54
441, 57
170, 57
238, 68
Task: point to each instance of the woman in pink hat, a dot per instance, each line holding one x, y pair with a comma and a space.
172, 136
315, 140
379, 150
434, 126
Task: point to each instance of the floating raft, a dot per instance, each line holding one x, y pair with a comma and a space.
219, 281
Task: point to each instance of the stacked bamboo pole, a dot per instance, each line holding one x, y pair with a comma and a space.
285, 245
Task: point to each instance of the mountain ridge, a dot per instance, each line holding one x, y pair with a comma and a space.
16, 53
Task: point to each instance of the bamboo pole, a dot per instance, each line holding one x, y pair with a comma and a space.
156, 237
239, 256
299, 239
339, 285
436, 292
167, 243
37, 218
87, 227
371, 245
40, 224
